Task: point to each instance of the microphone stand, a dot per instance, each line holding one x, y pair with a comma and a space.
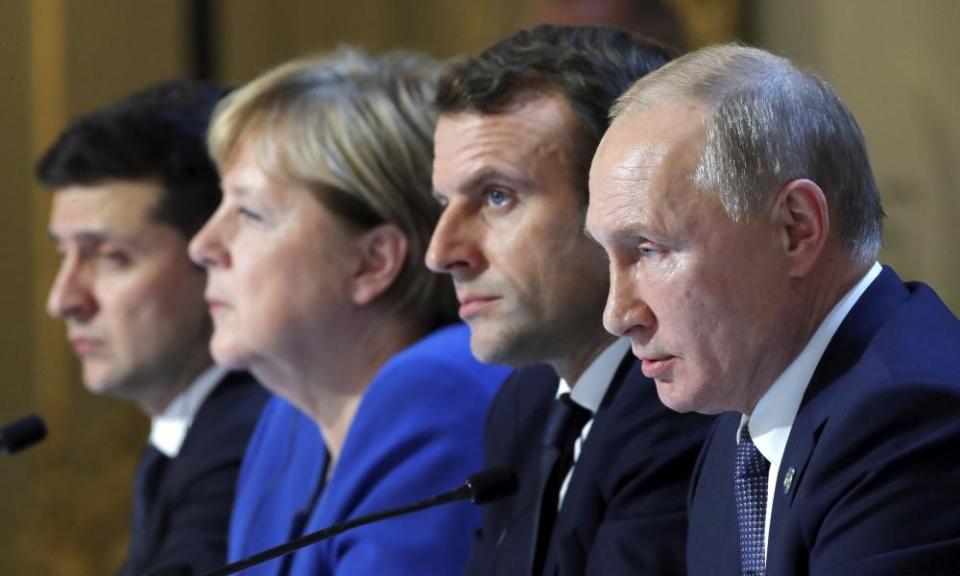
480, 488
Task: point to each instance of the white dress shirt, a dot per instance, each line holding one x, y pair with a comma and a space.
772, 418
588, 391
169, 429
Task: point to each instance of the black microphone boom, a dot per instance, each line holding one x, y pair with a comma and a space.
22, 434
480, 488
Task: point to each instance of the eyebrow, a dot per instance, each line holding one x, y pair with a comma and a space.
96, 238
485, 176
234, 189
83, 236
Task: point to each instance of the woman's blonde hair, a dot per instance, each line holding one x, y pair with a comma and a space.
357, 131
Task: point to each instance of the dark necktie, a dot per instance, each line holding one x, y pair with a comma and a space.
145, 484
750, 486
566, 421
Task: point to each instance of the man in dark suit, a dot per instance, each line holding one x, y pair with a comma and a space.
132, 183
734, 197
603, 467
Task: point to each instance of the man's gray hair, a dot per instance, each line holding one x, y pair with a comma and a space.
768, 123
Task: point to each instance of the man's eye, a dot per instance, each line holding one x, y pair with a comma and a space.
646, 251
113, 256
497, 197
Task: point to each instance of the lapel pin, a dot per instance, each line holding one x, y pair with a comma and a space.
788, 479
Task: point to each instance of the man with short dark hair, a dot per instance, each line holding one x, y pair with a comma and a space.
603, 467
132, 183
735, 200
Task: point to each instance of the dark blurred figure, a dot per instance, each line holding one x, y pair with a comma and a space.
132, 182
652, 18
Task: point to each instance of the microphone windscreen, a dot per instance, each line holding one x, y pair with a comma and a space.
491, 485
22, 434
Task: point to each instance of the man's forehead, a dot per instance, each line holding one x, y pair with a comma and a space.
516, 144
640, 142
533, 124
103, 210
636, 161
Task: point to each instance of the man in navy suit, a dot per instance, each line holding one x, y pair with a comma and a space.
735, 200
603, 467
132, 183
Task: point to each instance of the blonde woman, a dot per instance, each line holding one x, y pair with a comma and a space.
316, 284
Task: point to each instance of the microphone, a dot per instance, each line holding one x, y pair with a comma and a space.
480, 488
22, 434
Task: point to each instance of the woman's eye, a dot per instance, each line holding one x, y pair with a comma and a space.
249, 214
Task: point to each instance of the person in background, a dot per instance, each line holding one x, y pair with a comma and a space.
603, 466
316, 284
735, 200
656, 19
131, 184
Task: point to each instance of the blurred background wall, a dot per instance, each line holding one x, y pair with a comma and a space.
64, 505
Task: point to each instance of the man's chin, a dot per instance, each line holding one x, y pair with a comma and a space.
679, 398
97, 380
671, 395
107, 386
490, 350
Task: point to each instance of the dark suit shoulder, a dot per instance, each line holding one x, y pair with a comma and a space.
187, 523
227, 417
874, 447
523, 393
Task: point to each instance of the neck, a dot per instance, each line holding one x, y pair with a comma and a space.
158, 395
815, 296
328, 384
581, 354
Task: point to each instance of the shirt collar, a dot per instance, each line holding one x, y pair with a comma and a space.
774, 414
591, 387
169, 429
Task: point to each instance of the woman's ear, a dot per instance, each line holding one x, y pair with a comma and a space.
383, 252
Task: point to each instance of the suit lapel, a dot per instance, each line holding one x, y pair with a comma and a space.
583, 482
511, 543
845, 350
713, 541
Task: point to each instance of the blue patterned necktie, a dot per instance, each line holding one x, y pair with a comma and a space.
750, 487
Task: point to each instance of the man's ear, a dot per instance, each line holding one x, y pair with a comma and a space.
803, 224
383, 252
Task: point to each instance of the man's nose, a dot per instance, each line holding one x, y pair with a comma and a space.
71, 296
